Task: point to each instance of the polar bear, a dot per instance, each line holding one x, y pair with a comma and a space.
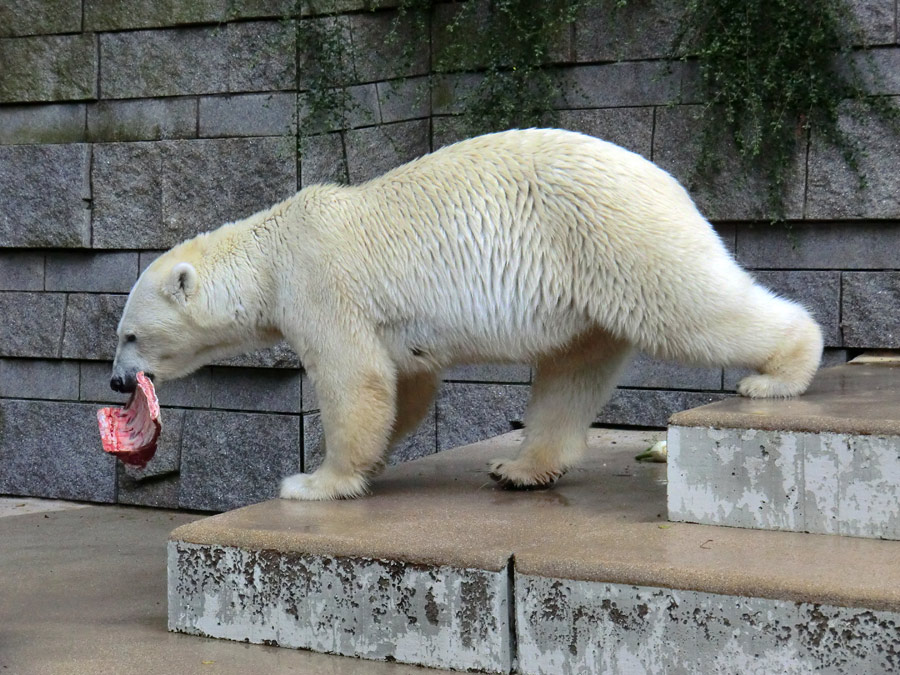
541, 246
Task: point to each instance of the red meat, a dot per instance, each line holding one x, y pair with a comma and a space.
131, 433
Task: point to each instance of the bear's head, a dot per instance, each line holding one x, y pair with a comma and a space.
187, 309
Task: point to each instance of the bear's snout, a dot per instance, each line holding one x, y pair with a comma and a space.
123, 385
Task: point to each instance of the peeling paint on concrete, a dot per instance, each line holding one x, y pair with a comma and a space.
826, 483
441, 617
575, 627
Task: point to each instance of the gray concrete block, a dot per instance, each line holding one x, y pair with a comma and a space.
386, 610
876, 20
323, 160
142, 120
21, 271
193, 391
158, 483
490, 372
569, 627
38, 378
108, 15
112, 272
279, 356
728, 234
731, 194
631, 128
834, 190
45, 190
610, 32
234, 459
52, 449
48, 68
824, 482
42, 124
239, 57
404, 99
91, 321
258, 389
316, 38
627, 84
835, 245
374, 150
819, 292
869, 309
450, 92
40, 17
377, 56
649, 373
446, 130
878, 70
420, 443
651, 407
473, 412
147, 257
154, 195
94, 383
360, 110
32, 324
248, 115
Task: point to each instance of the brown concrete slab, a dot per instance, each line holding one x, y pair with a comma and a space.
857, 398
83, 592
603, 522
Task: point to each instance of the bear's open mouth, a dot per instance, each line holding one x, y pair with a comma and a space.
131, 433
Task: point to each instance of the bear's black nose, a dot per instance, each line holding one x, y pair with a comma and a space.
117, 384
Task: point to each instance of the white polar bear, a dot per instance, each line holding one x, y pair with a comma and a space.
540, 246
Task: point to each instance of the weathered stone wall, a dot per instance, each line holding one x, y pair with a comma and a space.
128, 126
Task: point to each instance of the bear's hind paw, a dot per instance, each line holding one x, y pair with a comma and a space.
511, 475
322, 486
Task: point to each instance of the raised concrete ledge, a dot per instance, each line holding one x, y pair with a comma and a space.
437, 523
857, 398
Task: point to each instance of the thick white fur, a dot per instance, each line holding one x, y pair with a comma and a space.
539, 246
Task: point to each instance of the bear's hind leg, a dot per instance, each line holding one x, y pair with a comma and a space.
569, 390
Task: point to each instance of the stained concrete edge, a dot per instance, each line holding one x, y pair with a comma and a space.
856, 398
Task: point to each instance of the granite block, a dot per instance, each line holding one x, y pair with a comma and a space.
876, 19
446, 130
231, 459
32, 324
489, 372
193, 391
626, 84
109, 15
360, 110
835, 245
154, 195
157, 484
147, 257
731, 194
374, 150
404, 99
113, 272
91, 321
632, 128
450, 92
94, 383
45, 191
835, 191
39, 17
258, 389
379, 41
279, 356
52, 449
316, 46
473, 412
39, 378
272, 114
42, 124
21, 271
237, 57
651, 407
869, 309
626, 31
48, 68
819, 292
142, 120
649, 373
323, 160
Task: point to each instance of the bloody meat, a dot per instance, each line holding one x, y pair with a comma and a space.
131, 433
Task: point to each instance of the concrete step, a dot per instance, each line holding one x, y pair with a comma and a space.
827, 462
439, 568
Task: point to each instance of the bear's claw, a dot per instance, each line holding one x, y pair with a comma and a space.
519, 480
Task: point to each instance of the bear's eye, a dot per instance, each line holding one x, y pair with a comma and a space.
131, 337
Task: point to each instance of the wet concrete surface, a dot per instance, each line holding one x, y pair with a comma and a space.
83, 592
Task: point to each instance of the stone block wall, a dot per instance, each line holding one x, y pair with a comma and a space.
128, 126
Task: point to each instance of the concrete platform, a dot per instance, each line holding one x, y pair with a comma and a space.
438, 567
827, 462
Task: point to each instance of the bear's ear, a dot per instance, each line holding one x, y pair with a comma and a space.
182, 282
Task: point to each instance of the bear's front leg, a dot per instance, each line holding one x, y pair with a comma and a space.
357, 402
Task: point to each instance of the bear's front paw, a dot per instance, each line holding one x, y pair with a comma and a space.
513, 474
322, 486
766, 386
